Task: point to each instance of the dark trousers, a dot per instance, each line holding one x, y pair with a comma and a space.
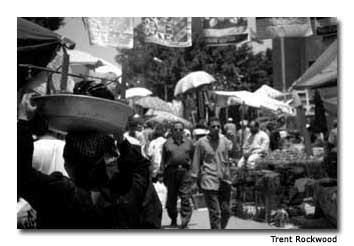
218, 203
178, 182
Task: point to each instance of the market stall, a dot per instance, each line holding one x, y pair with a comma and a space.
255, 100
284, 180
37, 46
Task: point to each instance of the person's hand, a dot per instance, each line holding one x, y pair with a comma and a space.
194, 186
26, 109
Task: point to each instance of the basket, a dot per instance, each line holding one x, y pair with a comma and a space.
69, 112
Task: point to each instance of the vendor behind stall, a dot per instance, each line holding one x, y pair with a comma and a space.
256, 146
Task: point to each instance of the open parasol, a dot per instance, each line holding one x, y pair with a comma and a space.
78, 57
162, 116
137, 92
193, 80
154, 103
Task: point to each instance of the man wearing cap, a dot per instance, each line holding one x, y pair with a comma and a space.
230, 127
177, 154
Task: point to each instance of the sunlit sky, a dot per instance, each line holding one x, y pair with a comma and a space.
74, 29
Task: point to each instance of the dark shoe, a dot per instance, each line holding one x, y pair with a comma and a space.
174, 223
184, 226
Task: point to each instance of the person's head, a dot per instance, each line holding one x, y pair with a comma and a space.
93, 88
85, 155
270, 127
214, 127
159, 131
254, 127
229, 120
187, 133
177, 130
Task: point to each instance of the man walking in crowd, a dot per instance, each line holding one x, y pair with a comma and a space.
211, 167
230, 133
256, 146
177, 154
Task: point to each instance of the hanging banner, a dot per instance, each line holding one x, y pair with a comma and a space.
277, 27
225, 30
326, 25
114, 32
168, 31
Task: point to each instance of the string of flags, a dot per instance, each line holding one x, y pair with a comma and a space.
217, 31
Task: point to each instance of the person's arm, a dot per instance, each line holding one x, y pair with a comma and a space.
246, 147
192, 150
150, 149
163, 158
28, 179
130, 185
264, 145
133, 169
197, 158
229, 144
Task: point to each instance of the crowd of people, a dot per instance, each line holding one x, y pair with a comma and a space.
95, 180
188, 160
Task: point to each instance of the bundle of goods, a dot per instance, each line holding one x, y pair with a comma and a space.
325, 199
91, 107
247, 210
294, 162
285, 156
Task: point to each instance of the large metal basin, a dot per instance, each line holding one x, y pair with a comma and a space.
69, 112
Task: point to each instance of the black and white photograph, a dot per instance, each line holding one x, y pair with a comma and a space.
178, 123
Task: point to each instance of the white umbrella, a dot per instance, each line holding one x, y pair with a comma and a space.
193, 80
108, 68
78, 57
162, 116
82, 57
154, 103
137, 92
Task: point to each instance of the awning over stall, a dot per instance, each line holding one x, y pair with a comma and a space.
256, 101
323, 73
36, 46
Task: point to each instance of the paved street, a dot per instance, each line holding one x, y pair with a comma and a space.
200, 220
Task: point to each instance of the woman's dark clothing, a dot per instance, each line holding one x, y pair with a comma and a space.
60, 203
274, 140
